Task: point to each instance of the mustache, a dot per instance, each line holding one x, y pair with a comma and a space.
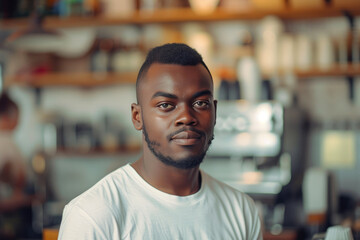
171, 135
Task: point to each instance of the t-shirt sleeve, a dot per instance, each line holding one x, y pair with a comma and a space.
255, 226
78, 225
256, 230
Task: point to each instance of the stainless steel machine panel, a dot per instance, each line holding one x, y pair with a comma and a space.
245, 129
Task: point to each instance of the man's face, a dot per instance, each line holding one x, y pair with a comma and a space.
177, 113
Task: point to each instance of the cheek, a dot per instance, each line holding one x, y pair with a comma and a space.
155, 125
208, 124
208, 119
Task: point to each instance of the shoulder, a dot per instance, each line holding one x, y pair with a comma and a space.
226, 192
233, 201
104, 198
104, 192
97, 209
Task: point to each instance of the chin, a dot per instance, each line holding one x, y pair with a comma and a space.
187, 162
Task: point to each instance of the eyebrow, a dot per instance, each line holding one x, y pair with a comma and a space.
164, 94
201, 93
169, 95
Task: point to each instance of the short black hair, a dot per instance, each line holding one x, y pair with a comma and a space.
170, 53
7, 105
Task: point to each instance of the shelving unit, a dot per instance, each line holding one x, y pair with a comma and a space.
164, 16
181, 15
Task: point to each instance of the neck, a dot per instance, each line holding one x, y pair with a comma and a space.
168, 179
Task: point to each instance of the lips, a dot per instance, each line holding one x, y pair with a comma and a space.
186, 138
187, 135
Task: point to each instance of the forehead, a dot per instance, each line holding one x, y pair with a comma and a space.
174, 78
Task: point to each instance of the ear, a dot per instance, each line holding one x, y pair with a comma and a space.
136, 116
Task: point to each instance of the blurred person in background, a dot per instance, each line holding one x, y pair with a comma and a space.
15, 204
164, 194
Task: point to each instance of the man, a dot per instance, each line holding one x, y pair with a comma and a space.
15, 203
164, 195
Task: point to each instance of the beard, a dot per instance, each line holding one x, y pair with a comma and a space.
184, 163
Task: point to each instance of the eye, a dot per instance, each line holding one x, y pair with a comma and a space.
202, 104
165, 106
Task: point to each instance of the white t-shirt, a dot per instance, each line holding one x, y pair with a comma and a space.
124, 206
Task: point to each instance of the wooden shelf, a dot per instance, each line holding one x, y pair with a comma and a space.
79, 79
180, 15
88, 79
99, 152
96, 152
335, 71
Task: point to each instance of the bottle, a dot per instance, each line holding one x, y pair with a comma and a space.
118, 58
91, 7
248, 72
100, 60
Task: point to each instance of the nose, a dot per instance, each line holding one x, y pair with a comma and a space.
186, 117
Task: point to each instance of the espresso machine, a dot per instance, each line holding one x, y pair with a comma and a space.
258, 146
